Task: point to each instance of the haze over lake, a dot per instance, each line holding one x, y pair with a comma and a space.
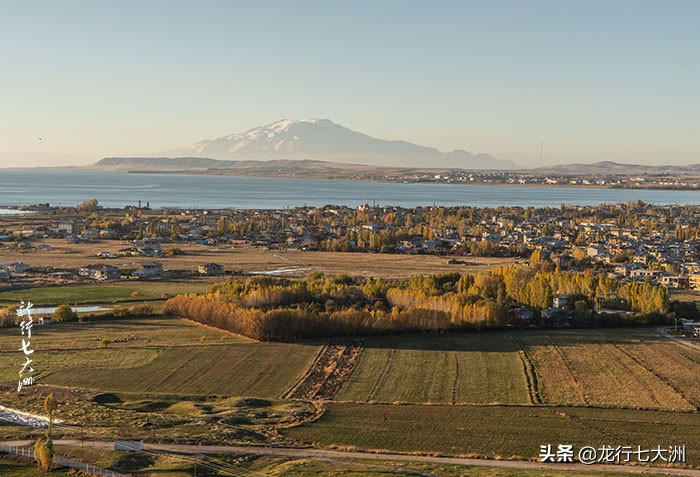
67, 187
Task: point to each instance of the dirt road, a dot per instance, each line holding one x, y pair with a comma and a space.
303, 453
690, 344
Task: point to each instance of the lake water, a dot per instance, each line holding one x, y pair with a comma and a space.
113, 189
13, 212
77, 309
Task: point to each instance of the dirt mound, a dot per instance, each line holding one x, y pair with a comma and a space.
332, 365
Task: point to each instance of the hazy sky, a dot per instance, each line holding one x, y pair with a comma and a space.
595, 80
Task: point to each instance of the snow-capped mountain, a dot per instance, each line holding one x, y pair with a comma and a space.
324, 140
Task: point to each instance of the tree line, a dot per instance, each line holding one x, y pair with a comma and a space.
275, 309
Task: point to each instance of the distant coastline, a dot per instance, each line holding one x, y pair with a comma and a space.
408, 180
192, 190
685, 181
604, 174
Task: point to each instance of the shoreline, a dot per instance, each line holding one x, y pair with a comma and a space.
407, 181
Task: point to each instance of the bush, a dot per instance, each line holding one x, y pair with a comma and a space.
44, 453
65, 313
8, 317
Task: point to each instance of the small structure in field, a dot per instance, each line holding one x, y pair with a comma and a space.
128, 446
150, 269
100, 272
211, 269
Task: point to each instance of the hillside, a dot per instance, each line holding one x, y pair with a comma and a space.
324, 140
609, 167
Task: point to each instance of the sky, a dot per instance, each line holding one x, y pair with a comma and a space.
591, 81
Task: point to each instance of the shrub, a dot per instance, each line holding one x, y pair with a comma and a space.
65, 313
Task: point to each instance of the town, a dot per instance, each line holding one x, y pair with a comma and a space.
632, 241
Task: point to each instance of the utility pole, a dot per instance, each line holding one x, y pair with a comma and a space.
541, 154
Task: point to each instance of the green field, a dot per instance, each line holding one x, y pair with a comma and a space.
497, 394
632, 368
164, 356
496, 431
244, 369
102, 293
132, 343
151, 332
438, 369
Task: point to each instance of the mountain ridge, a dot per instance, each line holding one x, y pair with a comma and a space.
324, 140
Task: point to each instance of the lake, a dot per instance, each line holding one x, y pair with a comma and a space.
77, 309
66, 187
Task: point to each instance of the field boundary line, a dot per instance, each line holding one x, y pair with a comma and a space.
306, 373
214, 328
455, 382
382, 376
530, 372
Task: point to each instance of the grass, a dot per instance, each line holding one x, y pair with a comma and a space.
251, 259
307, 467
177, 379
244, 369
181, 466
57, 361
21, 469
164, 356
633, 368
102, 293
176, 418
622, 368
466, 368
80, 346
496, 431
152, 332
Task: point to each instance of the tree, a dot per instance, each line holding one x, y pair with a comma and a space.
43, 447
88, 205
64, 313
50, 406
43, 453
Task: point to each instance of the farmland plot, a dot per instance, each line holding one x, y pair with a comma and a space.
96, 359
450, 369
496, 431
250, 369
152, 332
614, 368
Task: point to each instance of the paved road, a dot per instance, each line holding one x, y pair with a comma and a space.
302, 453
690, 344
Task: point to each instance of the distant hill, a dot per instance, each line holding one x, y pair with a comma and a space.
609, 167
324, 140
158, 163
164, 164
